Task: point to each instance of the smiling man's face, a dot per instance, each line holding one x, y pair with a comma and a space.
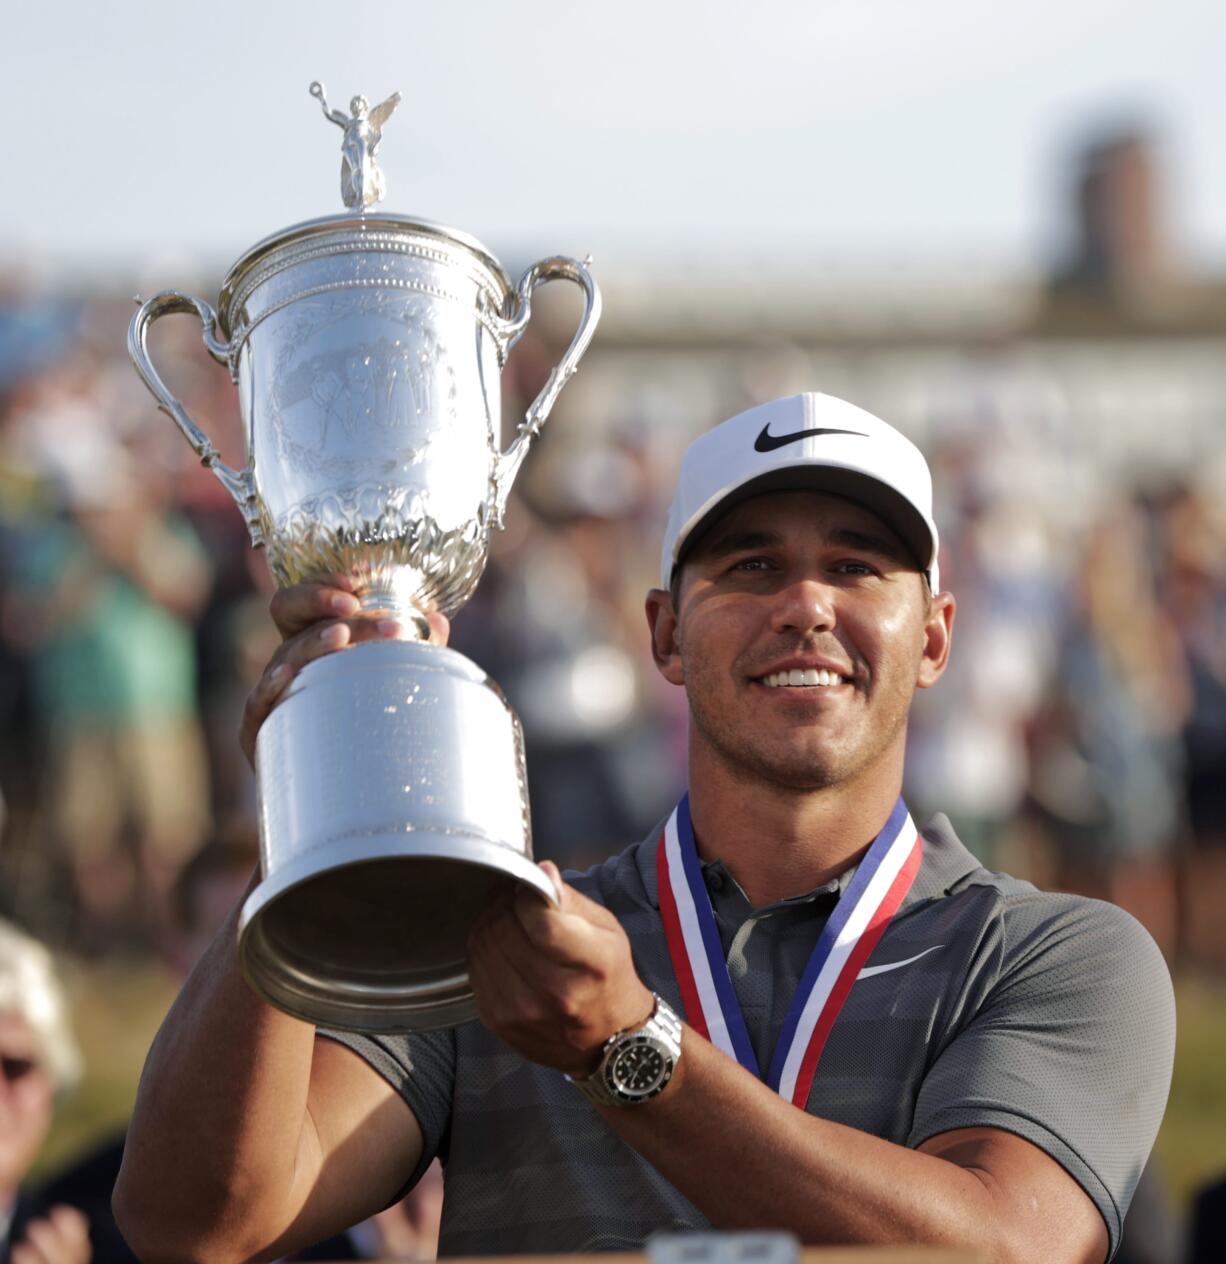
802, 629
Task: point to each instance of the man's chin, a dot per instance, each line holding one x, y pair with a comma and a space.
808, 779
795, 760
791, 771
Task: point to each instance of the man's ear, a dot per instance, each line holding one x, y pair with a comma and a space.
938, 637
662, 621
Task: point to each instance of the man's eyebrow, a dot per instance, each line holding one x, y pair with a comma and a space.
884, 545
724, 544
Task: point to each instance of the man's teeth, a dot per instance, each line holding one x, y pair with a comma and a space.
796, 677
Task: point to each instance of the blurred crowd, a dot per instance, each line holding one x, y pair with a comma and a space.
129, 607
1079, 738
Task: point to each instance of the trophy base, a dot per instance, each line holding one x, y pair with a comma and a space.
393, 810
406, 904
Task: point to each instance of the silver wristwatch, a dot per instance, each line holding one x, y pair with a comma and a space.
637, 1063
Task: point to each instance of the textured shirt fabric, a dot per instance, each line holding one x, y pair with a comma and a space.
1049, 1016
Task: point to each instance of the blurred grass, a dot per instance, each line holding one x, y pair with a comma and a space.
118, 1009
116, 1012
1191, 1146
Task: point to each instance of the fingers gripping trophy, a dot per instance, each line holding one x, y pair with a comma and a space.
366, 349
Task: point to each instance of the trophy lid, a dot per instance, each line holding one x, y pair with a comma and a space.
378, 228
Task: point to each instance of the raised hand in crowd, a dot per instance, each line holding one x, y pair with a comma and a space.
59, 1237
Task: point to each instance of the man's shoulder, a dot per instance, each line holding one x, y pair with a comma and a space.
1020, 930
623, 882
1049, 934
1028, 931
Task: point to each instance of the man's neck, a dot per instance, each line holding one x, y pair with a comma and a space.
777, 841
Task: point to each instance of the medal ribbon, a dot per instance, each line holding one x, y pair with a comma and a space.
882, 879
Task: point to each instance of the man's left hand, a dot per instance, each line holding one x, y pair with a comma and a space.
555, 982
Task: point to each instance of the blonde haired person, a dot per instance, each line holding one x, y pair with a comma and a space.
39, 1063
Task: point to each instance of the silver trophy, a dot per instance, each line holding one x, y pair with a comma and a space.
366, 349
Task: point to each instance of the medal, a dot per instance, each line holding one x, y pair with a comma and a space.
882, 879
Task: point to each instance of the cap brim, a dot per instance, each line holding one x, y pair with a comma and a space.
879, 498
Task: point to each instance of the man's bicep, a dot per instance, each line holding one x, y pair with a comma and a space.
1071, 1050
360, 1143
1045, 1213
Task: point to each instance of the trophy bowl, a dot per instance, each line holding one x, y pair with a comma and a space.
367, 351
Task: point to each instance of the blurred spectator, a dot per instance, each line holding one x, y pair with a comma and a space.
1108, 763
1194, 594
38, 1063
209, 886
24, 499
967, 752
102, 599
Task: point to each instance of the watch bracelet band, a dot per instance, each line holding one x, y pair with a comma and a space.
663, 1027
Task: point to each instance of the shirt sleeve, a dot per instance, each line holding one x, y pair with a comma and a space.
1071, 1046
420, 1066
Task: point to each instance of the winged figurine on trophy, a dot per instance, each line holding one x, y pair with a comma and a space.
362, 183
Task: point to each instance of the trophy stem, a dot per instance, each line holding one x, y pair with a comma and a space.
385, 601
392, 589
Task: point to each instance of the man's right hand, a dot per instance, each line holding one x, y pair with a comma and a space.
317, 617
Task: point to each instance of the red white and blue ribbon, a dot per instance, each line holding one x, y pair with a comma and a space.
882, 879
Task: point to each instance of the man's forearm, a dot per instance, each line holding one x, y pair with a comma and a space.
215, 1136
749, 1160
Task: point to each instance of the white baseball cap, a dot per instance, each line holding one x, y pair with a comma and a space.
805, 442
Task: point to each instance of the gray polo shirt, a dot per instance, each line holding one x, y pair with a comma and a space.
985, 1003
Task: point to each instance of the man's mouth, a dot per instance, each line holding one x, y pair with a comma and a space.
803, 678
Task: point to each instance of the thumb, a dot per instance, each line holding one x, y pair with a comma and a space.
574, 901
440, 627
551, 871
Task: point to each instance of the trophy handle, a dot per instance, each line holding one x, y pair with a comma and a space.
559, 268
238, 483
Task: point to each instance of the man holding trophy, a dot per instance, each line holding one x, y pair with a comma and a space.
789, 1008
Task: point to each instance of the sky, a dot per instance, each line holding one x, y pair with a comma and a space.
141, 131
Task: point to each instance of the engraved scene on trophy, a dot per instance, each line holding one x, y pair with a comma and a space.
352, 392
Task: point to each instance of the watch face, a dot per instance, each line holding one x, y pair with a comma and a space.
637, 1069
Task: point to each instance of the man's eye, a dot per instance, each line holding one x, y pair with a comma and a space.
751, 564
853, 567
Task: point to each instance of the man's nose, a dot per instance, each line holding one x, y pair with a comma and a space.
804, 604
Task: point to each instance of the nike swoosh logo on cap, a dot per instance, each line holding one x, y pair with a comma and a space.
767, 442
896, 965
